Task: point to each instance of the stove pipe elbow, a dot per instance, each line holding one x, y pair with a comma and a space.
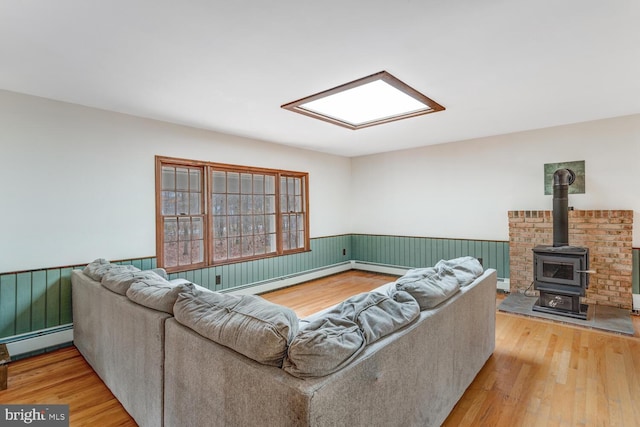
562, 179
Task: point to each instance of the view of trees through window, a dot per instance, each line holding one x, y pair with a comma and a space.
212, 214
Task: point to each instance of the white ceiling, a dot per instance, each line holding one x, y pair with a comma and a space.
498, 66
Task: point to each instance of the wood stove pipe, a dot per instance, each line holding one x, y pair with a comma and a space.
562, 179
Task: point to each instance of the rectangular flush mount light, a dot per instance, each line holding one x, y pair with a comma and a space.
372, 100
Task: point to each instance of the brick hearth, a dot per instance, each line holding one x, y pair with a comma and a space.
607, 234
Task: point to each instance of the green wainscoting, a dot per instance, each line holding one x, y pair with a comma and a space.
39, 299
424, 252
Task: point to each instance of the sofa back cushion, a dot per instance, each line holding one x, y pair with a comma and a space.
157, 293
465, 269
325, 345
99, 267
119, 278
337, 336
428, 286
247, 324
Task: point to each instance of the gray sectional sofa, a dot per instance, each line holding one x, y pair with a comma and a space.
402, 355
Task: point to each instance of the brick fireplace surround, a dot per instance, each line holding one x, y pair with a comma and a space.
607, 234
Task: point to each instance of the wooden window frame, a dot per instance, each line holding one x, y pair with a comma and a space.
207, 169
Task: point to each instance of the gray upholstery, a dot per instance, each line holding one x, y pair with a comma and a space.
98, 268
119, 278
165, 373
429, 286
324, 346
412, 377
124, 343
465, 269
157, 293
248, 324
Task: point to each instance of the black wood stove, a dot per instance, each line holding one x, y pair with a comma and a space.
561, 272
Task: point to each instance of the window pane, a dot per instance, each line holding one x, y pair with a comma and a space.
233, 204
247, 246
168, 203
170, 230
219, 182
184, 229
247, 225
184, 253
220, 249
283, 203
297, 186
298, 204
194, 209
233, 182
194, 180
247, 187
220, 226
168, 178
258, 184
219, 204
182, 179
285, 232
271, 243
171, 254
291, 186
270, 204
259, 224
183, 203
234, 248
271, 224
258, 204
197, 251
270, 184
260, 244
247, 204
292, 203
234, 226
196, 229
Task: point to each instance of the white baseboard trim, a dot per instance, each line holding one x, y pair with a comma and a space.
283, 282
379, 268
504, 285
636, 301
39, 340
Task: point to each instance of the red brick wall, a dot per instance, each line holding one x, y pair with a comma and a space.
607, 234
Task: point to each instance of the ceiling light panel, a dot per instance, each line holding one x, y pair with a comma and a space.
372, 100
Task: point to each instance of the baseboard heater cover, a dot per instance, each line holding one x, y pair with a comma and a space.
636, 302
39, 340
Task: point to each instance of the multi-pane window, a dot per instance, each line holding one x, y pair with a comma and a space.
214, 214
292, 212
182, 216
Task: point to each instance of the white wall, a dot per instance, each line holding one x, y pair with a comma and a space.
78, 183
464, 189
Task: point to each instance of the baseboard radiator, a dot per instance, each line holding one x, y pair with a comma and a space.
27, 344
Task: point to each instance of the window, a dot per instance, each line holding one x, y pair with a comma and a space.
209, 213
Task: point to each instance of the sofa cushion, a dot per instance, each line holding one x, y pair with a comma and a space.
96, 269
247, 324
378, 314
465, 269
325, 345
429, 286
157, 293
119, 278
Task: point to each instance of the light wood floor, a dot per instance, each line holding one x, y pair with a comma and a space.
541, 373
